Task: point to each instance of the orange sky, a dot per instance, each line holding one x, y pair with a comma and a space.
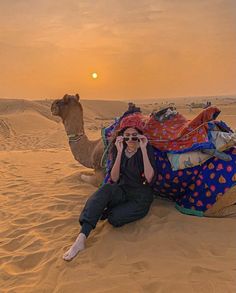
140, 49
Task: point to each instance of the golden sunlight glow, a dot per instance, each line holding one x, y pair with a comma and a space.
94, 75
147, 49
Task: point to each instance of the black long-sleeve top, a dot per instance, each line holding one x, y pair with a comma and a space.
132, 169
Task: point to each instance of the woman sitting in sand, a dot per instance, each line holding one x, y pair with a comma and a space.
129, 196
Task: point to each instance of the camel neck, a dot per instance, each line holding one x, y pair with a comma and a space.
81, 147
73, 125
82, 150
75, 137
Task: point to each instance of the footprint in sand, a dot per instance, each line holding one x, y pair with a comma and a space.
217, 251
140, 266
197, 272
58, 207
152, 287
27, 263
5, 162
5, 129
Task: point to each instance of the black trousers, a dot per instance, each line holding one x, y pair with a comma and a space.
123, 204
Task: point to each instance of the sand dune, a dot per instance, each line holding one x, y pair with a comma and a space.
29, 130
41, 197
28, 124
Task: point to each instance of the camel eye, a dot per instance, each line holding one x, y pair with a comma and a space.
61, 102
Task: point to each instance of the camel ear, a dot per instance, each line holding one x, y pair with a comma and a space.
65, 98
77, 97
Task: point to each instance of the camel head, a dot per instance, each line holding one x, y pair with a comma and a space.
66, 106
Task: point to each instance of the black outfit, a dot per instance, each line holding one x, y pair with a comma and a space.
125, 201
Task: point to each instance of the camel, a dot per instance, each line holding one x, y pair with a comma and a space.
89, 153
86, 152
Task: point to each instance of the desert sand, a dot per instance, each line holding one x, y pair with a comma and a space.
41, 197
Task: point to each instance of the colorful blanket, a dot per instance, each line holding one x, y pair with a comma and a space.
176, 134
194, 189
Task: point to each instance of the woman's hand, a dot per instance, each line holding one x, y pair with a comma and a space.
142, 141
119, 144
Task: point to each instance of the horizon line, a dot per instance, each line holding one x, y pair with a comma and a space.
127, 99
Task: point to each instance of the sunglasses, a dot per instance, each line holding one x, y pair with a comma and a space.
134, 138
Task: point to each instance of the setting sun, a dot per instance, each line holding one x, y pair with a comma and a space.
94, 75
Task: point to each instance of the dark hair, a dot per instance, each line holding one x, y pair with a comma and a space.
113, 149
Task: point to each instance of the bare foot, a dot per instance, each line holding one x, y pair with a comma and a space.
78, 246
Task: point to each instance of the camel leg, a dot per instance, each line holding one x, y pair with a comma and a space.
90, 179
229, 211
95, 179
99, 174
225, 206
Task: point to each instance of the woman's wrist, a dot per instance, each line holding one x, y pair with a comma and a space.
119, 153
143, 149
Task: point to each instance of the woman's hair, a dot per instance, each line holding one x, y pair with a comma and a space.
113, 150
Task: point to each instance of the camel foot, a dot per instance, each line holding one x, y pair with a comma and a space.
225, 206
229, 211
90, 179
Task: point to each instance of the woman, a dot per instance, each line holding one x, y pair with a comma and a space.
129, 196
